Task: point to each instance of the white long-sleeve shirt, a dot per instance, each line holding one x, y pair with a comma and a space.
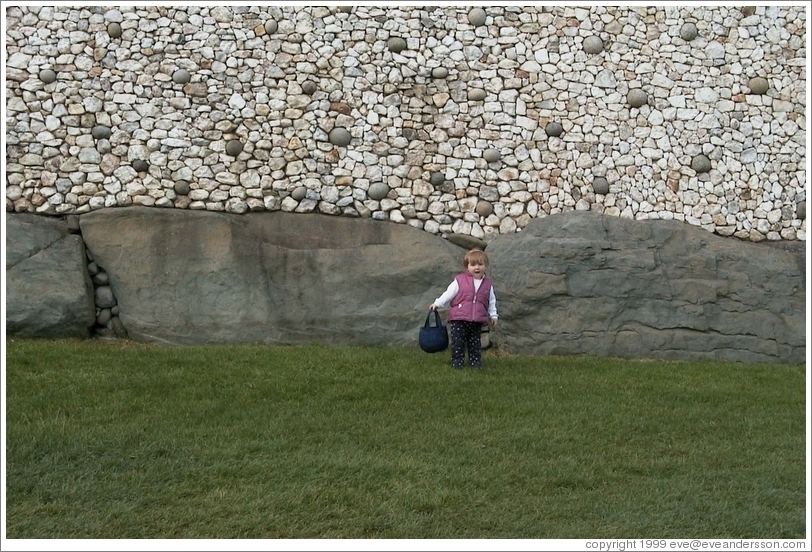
445, 299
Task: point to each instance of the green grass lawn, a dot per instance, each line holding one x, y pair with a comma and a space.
126, 440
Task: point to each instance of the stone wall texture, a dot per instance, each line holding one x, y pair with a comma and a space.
571, 283
454, 120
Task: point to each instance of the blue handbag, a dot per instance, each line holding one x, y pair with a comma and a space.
433, 339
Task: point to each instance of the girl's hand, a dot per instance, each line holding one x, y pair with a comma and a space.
432, 307
493, 322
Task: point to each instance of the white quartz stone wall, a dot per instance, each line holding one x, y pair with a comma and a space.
441, 118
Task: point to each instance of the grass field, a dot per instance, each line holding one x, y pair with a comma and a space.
125, 440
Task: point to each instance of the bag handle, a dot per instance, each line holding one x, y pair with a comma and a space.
437, 321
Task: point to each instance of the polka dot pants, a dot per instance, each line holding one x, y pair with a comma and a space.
466, 335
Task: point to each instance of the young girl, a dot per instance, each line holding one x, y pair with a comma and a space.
473, 303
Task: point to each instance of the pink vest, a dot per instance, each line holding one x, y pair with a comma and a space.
470, 305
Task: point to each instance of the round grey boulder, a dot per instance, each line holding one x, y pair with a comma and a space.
491, 155
800, 210
181, 76
234, 148
396, 44
101, 278
437, 179
477, 17
140, 165
637, 98
688, 32
104, 317
439, 72
100, 132
47, 76
103, 146
271, 26
593, 45
484, 209
378, 191
114, 30
600, 185
340, 137
182, 188
701, 163
345, 9
104, 298
309, 87
553, 129
758, 85
477, 94
299, 193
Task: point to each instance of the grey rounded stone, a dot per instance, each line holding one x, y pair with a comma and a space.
309, 87
182, 187
378, 191
103, 297
345, 9
140, 165
114, 30
100, 132
800, 210
299, 193
593, 45
637, 98
492, 155
484, 209
477, 94
271, 26
439, 72
758, 85
101, 278
701, 163
104, 317
234, 148
553, 129
396, 44
181, 76
47, 76
600, 185
340, 137
477, 17
437, 179
688, 32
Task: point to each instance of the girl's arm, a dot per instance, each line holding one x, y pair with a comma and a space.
492, 307
443, 301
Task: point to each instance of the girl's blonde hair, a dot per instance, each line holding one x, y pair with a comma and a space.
474, 255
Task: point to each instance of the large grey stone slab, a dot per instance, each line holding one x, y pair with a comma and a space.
585, 283
192, 277
48, 289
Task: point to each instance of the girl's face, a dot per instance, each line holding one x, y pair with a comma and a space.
477, 269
